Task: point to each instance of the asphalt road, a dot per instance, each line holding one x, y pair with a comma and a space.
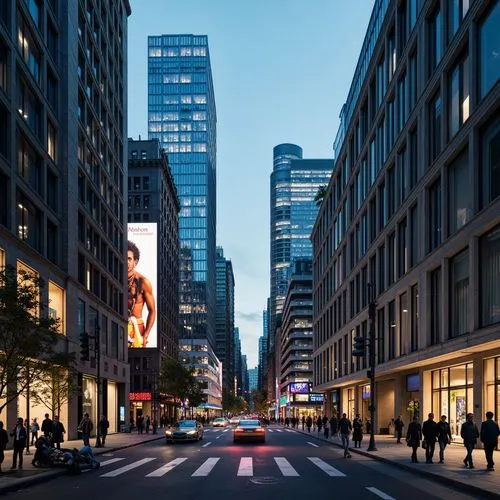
289, 466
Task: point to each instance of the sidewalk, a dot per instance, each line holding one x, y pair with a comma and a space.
452, 473
11, 480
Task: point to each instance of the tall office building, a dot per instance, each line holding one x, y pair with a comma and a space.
63, 109
253, 378
182, 116
413, 209
263, 343
237, 362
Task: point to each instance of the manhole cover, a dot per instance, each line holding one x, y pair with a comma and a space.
264, 480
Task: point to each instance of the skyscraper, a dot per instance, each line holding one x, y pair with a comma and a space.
181, 114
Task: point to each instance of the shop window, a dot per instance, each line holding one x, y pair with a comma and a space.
490, 277
459, 294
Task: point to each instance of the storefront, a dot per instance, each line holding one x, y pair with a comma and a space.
112, 405
492, 386
89, 398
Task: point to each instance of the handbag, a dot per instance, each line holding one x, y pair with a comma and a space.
424, 444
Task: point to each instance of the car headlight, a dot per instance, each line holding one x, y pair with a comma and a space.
168, 433
190, 433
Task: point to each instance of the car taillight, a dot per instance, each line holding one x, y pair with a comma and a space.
259, 430
239, 430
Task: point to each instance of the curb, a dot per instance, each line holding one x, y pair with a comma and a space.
454, 483
52, 474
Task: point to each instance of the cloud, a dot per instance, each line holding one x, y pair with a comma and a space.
252, 317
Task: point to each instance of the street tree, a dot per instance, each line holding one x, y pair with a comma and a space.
320, 195
260, 404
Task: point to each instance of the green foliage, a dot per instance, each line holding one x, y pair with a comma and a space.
320, 195
29, 338
260, 404
233, 404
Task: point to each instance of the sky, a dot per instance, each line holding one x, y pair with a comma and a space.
282, 70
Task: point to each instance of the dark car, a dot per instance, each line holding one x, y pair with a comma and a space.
185, 430
249, 430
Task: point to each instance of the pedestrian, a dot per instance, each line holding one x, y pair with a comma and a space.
20, 437
430, 432
34, 428
399, 426
334, 426
4, 441
47, 426
357, 433
319, 423
326, 426
444, 437
413, 438
103, 427
489, 438
85, 428
469, 433
58, 432
309, 423
148, 423
303, 421
345, 428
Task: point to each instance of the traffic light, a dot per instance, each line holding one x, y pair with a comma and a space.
358, 346
84, 347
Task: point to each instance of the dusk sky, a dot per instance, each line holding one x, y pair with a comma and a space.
281, 70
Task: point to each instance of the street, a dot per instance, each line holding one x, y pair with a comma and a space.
290, 464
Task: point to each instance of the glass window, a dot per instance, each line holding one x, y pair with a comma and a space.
29, 222
413, 82
490, 163
414, 235
402, 248
458, 95
435, 40
460, 206
392, 329
435, 110
457, 9
436, 306
28, 49
490, 277
56, 305
404, 325
489, 50
459, 294
434, 215
414, 318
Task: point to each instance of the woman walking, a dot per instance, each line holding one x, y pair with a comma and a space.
413, 438
357, 432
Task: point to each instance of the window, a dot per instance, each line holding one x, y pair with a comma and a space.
434, 220
414, 318
459, 95
402, 248
436, 306
56, 306
435, 127
414, 235
52, 190
28, 49
489, 50
413, 166
460, 194
4, 63
51, 140
381, 269
402, 101
490, 163
29, 164
391, 55
380, 335
29, 108
391, 191
392, 329
4, 190
392, 258
457, 9
490, 277
382, 206
404, 325
403, 176
413, 82
28, 222
459, 294
435, 40
145, 183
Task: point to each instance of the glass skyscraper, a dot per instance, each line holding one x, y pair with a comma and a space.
181, 114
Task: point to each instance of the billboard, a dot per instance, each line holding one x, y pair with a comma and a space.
299, 387
142, 277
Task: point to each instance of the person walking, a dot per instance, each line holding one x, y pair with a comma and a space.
469, 433
357, 433
34, 428
334, 426
430, 432
20, 437
413, 438
319, 423
489, 437
345, 428
103, 429
399, 426
326, 426
309, 422
86, 426
58, 432
303, 421
47, 426
4, 441
148, 423
444, 437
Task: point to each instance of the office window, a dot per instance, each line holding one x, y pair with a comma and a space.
457, 9
4, 190
403, 175
412, 82
4, 63
380, 335
29, 164
28, 222
145, 183
489, 264
391, 54
436, 300
402, 248
434, 24
402, 101
28, 48
382, 205
434, 215
490, 163
404, 325
391, 191
402, 26
414, 235
460, 193
392, 258
459, 294
414, 318
458, 90
51, 140
412, 13
381, 83
413, 159
381, 269
390, 123
435, 110
489, 48
392, 329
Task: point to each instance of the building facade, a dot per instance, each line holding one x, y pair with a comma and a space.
63, 108
153, 205
182, 116
413, 210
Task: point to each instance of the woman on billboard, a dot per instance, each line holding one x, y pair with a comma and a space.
140, 292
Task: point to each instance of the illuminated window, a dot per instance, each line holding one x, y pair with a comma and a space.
56, 306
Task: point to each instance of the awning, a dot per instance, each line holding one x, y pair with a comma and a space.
210, 406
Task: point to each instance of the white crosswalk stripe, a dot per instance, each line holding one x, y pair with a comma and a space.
289, 430
128, 467
206, 467
379, 493
331, 471
246, 467
285, 467
279, 430
166, 468
270, 430
111, 461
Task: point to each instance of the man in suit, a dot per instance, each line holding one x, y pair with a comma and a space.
20, 436
489, 438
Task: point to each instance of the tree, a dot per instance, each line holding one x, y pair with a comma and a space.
260, 403
320, 195
29, 337
195, 394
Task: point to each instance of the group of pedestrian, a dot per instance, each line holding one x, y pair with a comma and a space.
143, 424
432, 432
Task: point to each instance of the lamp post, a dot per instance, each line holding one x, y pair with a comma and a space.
371, 345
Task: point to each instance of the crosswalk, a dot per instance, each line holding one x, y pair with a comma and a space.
245, 466
222, 430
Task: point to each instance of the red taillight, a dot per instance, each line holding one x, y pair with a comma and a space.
259, 429
239, 430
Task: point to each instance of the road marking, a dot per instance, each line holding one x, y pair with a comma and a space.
128, 467
218, 437
379, 493
285, 467
279, 430
111, 461
166, 468
225, 430
312, 444
289, 430
206, 468
331, 471
246, 467
206, 444
270, 430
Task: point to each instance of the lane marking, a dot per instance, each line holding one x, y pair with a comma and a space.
312, 444
128, 467
111, 461
206, 468
279, 430
270, 430
218, 437
285, 467
331, 471
289, 430
246, 467
166, 468
379, 493
206, 444
225, 430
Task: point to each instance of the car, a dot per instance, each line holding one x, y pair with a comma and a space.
220, 422
249, 430
234, 420
184, 430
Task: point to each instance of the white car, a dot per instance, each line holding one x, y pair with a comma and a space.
220, 422
234, 420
